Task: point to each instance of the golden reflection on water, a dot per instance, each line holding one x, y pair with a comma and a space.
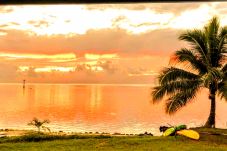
103, 108
95, 98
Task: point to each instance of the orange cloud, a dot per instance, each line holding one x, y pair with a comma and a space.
95, 41
89, 56
54, 69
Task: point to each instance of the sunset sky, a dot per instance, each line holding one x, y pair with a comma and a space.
95, 43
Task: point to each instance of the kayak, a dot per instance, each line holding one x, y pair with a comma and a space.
169, 131
189, 133
180, 127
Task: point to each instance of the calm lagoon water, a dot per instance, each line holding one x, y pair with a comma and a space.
98, 108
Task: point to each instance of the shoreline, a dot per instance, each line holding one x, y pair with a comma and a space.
21, 132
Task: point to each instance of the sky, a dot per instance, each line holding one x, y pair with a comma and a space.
96, 43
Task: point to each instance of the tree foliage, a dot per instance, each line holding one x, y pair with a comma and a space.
204, 66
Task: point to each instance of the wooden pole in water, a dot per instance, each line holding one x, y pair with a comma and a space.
23, 84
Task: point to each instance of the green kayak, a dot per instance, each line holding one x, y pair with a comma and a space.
169, 131
180, 127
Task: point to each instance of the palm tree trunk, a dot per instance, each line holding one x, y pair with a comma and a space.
211, 119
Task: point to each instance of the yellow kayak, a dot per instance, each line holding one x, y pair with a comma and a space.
189, 133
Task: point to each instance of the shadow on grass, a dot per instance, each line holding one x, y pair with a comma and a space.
37, 137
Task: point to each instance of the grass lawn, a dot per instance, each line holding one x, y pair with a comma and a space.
92, 143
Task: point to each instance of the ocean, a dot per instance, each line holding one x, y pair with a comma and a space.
109, 108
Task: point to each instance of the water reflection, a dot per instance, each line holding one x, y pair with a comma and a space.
53, 94
102, 108
95, 98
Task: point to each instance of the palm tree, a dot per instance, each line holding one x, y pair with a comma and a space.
38, 123
203, 65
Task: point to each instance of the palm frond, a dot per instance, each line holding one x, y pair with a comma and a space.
215, 42
222, 40
158, 92
212, 28
173, 87
171, 74
186, 55
224, 68
180, 99
222, 89
198, 40
213, 75
216, 73
222, 59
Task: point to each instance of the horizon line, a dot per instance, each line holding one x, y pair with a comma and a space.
43, 83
